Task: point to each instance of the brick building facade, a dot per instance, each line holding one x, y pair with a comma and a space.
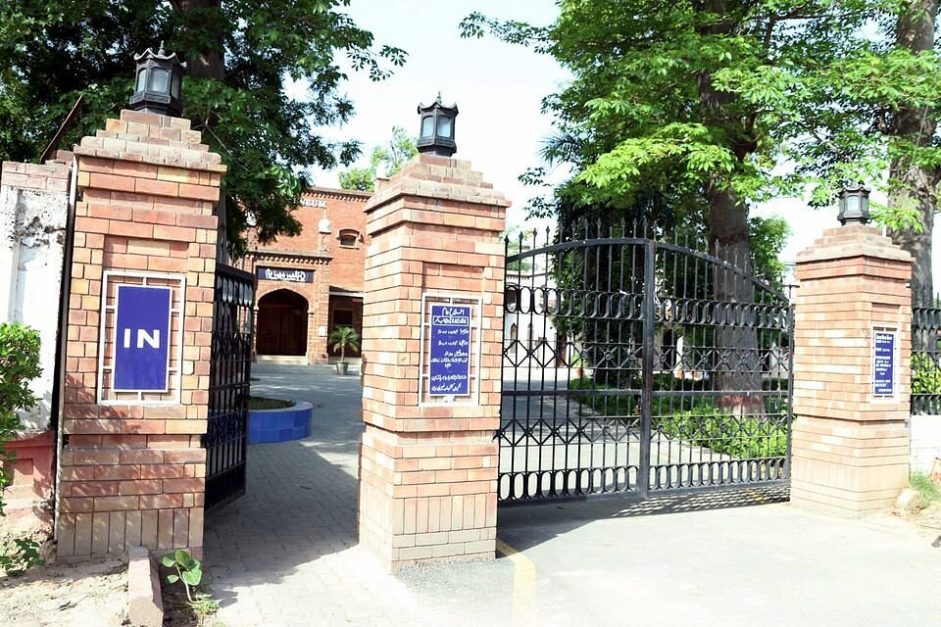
311, 283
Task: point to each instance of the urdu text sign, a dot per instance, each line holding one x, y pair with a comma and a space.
142, 339
450, 350
883, 363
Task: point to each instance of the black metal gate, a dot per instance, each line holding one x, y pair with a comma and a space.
639, 366
229, 382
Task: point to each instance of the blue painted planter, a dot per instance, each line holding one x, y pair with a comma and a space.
279, 425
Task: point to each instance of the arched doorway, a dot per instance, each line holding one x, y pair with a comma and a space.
282, 324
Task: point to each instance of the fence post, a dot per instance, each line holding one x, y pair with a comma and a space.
428, 464
852, 371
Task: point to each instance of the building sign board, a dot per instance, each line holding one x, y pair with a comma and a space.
142, 338
449, 359
291, 275
883, 362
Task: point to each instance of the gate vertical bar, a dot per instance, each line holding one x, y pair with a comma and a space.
790, 379
650, 294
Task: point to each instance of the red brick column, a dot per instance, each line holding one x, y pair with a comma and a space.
849, 447
428, 469
132, 469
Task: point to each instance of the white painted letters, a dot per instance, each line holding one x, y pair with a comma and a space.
143, 337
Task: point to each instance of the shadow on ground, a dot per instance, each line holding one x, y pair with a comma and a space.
532, 524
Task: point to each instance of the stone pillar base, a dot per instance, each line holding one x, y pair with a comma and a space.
427, 497
849, 468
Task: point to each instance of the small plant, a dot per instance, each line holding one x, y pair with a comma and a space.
189, 570
344, 338
17, 555
929, 491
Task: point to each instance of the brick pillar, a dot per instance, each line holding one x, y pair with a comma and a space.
850, 445
132, 469
428, 467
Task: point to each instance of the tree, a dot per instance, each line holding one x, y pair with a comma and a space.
343, 338
685, 108
239, 55
915, 170
883, 102
389, 158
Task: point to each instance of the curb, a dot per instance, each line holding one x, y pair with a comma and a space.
144, 603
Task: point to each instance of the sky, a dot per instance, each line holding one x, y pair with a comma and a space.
498, 88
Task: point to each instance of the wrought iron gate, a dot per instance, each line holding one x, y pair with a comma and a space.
229, 382
639, 366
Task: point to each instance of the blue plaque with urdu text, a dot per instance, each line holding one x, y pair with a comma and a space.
142, 339
883, 363
449, 362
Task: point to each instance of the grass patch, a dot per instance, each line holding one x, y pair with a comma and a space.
259, 402
930, 493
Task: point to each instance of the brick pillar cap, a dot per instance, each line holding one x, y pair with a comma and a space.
441, 178
853, 240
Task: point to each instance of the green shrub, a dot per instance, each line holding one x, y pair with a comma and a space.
696, 421
741, 438
603, 399
19, 364
926, 374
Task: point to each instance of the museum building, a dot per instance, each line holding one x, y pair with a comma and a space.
313, 282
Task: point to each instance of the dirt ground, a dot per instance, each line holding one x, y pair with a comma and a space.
927, 521
89, 594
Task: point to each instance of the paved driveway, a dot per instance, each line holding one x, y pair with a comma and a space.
286, 553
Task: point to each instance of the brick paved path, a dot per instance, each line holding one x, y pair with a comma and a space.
286, 553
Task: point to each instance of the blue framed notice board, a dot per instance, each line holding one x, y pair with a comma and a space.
883, 362
449, 351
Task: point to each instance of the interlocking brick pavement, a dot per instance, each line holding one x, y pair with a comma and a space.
285, 553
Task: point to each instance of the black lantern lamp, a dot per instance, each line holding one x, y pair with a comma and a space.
437, 129
854, 204
157, 83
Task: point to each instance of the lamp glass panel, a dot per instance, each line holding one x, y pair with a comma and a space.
160, 80
444, 126
175, 86
852, 205
427, 126
141, 80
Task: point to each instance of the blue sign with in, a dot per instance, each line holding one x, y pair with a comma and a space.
449, 363
142, 339
883, 363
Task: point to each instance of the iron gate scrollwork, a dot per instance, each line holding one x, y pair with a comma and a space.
926, 353
640, 366
226, 438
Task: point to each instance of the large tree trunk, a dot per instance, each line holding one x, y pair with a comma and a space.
737, 370
201, 16
738, 366
914, 185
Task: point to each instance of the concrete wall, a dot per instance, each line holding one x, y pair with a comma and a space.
926, 441
33, 216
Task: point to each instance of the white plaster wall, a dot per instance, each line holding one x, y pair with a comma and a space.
926, 441
32, 249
